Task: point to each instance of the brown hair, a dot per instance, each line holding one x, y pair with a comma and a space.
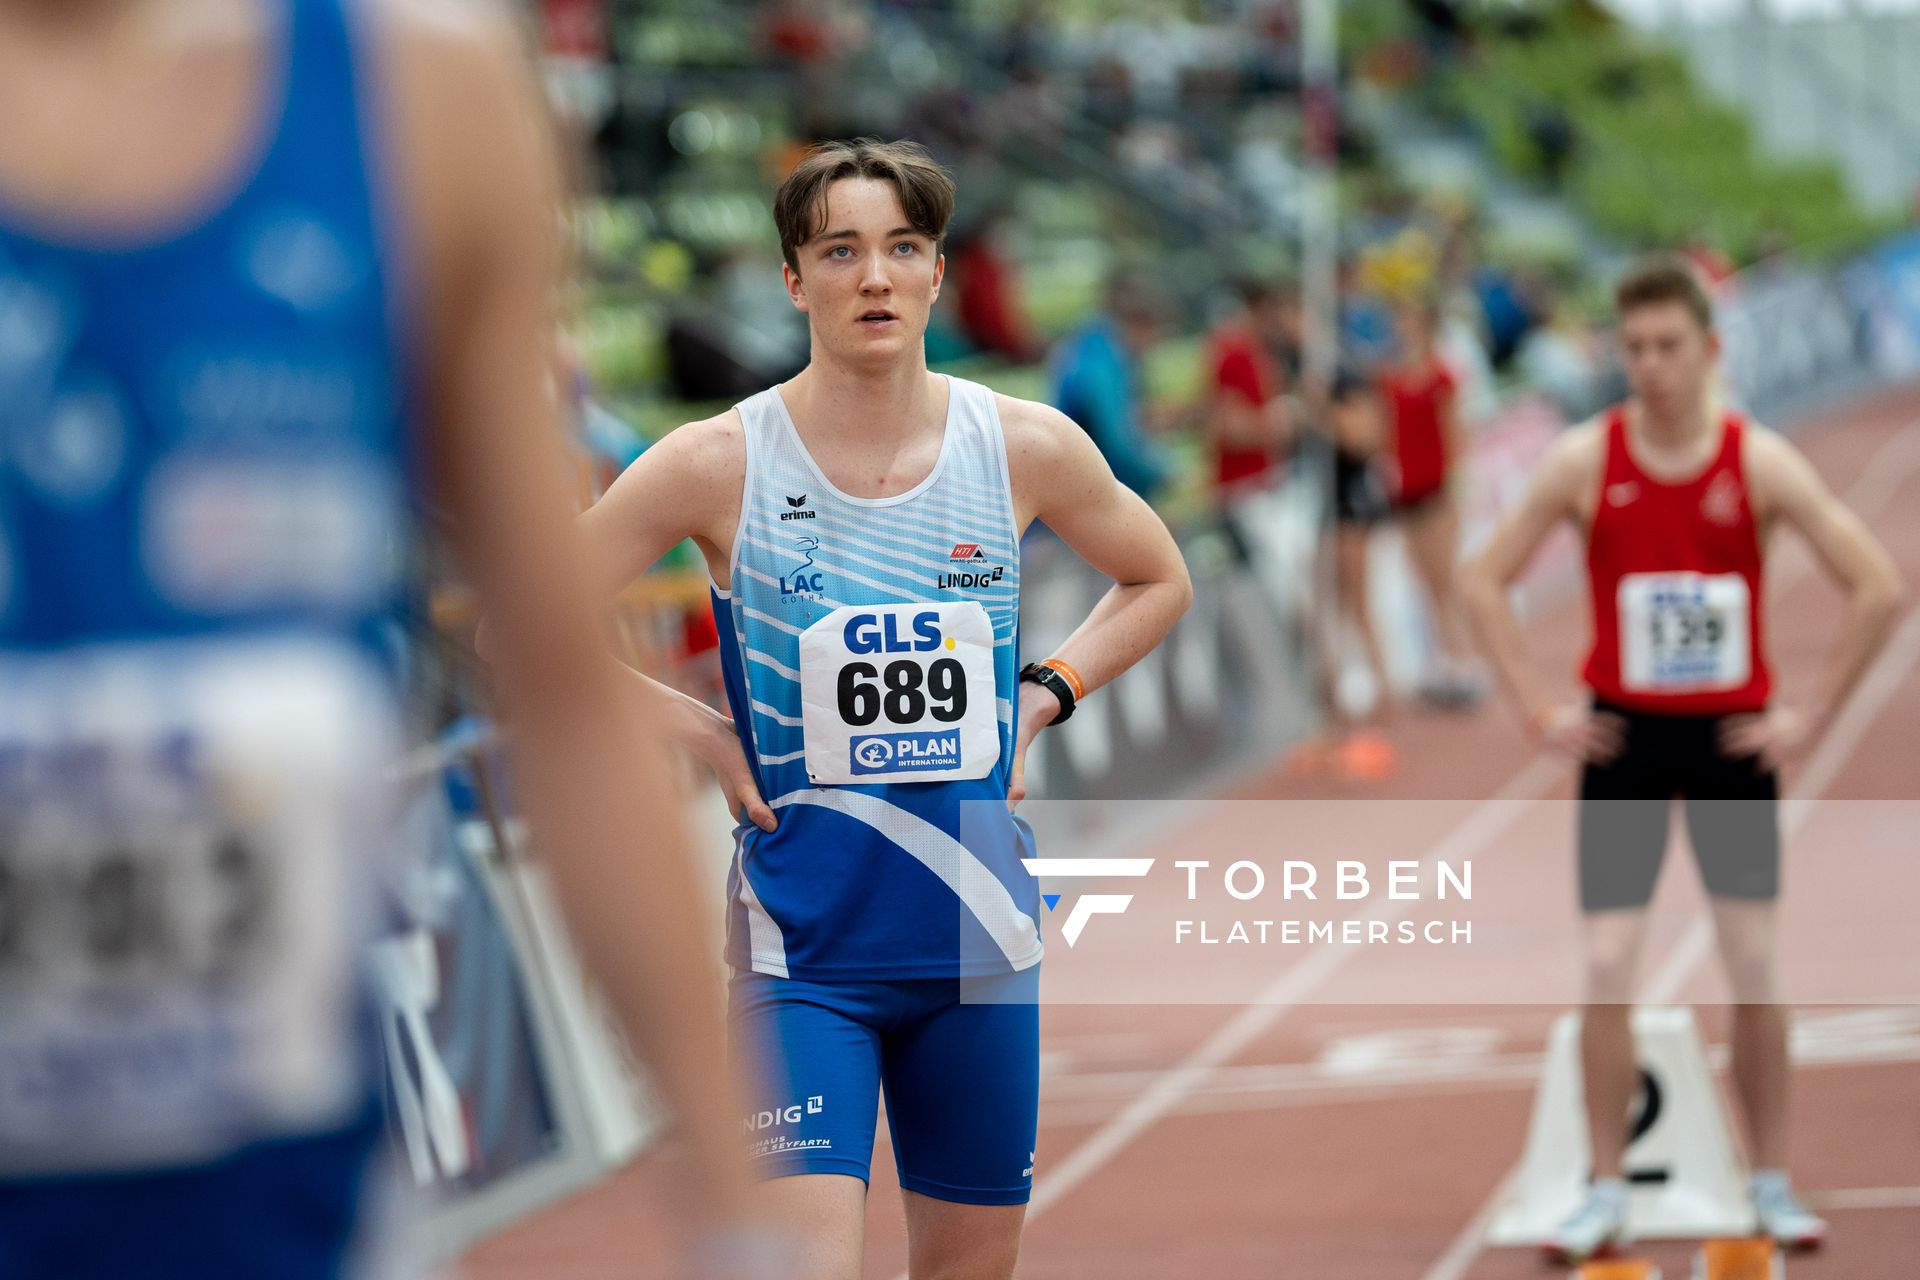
800, 205
1665, 278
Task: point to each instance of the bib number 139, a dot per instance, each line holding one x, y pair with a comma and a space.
1683, 632
894, 693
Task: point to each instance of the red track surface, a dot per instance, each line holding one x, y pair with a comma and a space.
1262, 1165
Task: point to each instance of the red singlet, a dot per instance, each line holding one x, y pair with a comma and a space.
1414, 400
1675, 573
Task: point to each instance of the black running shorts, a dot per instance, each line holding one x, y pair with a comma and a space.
1732, 813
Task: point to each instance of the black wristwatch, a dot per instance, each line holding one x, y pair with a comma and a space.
1053, 682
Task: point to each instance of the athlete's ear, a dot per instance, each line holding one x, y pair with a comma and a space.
939, 274
796, 290
1713, 343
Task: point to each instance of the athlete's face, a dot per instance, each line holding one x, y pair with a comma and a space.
868, 280
1668, 353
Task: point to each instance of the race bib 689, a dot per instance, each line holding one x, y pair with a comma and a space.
899, 693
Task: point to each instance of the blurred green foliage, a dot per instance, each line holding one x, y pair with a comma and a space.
1654, 161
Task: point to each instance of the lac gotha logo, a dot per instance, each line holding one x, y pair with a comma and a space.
805, 582
1092, 904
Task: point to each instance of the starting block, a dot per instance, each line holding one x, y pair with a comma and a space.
1617, 1269
1744, 1259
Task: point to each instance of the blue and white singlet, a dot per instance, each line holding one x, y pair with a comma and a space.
868, 646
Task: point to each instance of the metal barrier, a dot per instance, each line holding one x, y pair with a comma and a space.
506, 1088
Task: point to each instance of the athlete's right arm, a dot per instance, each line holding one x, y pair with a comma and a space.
470, 156
686, 486
1567, 473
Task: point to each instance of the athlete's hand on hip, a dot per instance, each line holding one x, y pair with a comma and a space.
1776, 735
1581, 732
1037, 710
714, 739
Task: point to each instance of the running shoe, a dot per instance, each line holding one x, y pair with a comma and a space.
1782, 1216
1593, 1230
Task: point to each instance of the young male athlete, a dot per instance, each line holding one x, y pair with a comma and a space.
862, 526
237, 331
1677, 498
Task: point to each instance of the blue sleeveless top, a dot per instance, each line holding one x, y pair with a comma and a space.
204, 495
893, 879
204, 433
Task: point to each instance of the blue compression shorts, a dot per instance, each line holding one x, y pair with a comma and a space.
962, 1080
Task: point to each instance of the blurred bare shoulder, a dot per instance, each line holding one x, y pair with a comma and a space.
1577, 454
459, 131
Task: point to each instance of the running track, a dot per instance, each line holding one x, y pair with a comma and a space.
1213, 1141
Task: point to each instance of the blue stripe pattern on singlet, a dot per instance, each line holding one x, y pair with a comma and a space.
871, 881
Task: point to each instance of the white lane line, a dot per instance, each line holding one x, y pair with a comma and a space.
1465, 1247
1885, 473
1483, 825
1866, 1198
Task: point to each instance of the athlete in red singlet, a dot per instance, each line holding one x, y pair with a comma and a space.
1422, 400
1676, 498
1674, 571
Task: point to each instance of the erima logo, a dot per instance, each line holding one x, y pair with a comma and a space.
1092, 904
784, 1115
797, 514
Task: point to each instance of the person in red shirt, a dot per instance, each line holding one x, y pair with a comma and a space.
987, 283
1676, 498
1246, 417
1422, 399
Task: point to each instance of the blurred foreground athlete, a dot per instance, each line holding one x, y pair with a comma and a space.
272, 272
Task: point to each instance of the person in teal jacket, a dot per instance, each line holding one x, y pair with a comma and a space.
1096, 382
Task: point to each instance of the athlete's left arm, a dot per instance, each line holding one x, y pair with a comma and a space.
1782, 485
1060, 478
